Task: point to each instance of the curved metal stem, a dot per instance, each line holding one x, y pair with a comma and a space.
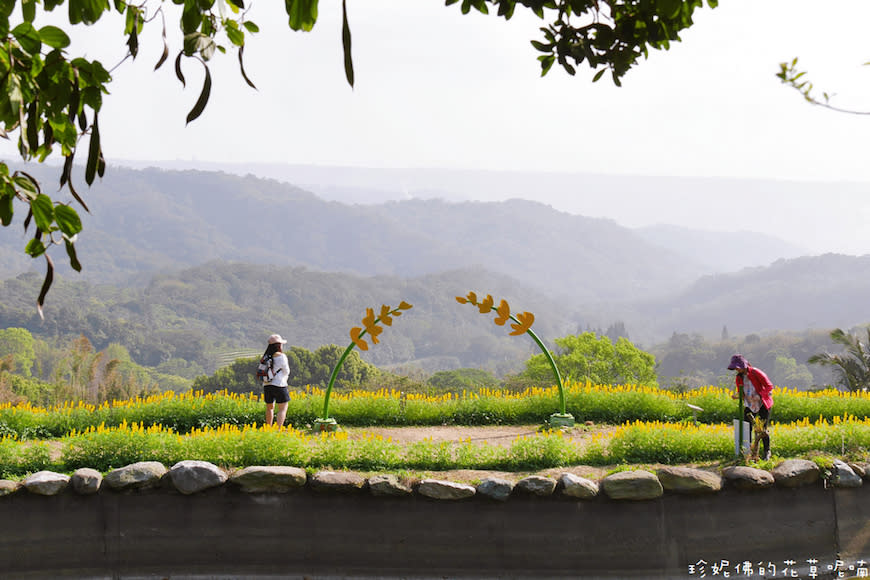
558, 377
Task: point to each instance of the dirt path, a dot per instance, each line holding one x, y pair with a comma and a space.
503, 435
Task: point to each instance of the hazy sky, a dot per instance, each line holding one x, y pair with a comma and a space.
436, 89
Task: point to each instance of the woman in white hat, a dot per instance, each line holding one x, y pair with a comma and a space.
275, 388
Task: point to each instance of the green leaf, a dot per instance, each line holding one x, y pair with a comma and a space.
26, 186
669, 8
34, 248
251, 27
191, 16
242, 68
28, 10
199, 107
32, 128
13, 93
178, 72
345, 43
302, 13
54, 37
73, 259
6, 209
28, 38
67, 220
598, 75
43, 212
46, 284
93, 152
163, 56
235, 35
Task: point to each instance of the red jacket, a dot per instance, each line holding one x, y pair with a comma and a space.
762, 384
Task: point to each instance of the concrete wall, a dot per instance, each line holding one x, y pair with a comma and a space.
224, 532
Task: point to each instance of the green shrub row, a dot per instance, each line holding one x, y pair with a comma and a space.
599, 404
639, 443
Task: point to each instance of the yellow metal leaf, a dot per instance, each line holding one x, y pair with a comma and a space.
526, 320
385, 315
504, 313
486, 304
354, 337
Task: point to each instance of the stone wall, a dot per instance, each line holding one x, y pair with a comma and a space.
195, 520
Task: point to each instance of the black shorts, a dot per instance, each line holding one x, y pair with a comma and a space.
273, 394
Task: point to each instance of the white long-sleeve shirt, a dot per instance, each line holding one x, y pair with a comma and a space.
281, 368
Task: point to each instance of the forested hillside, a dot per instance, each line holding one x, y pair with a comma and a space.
146, 221
184, 268
816, 292
200, 314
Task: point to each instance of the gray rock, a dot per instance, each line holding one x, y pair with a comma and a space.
337, 481
747, 478
863, 469
8, 487
537, 485
796, 472
269, 478
689, 480
449, 490
495, 488
141, 475
192, 476
632, 485
843, 476
86, 481
46, 483
860, 468
579, 487
388, 485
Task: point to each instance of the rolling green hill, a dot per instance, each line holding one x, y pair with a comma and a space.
147, 221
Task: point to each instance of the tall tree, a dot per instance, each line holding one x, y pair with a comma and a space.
852, 366
588, 357
53, 99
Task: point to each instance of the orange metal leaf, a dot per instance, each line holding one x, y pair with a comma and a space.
385, 315
504, 313
526, 320
354, 337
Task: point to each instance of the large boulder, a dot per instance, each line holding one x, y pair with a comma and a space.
141, 475
191, 476
86, 481
538, 485
46, 483
796, 473
8, 487
495, 488
632, 485
269, 478
448, 490
388, 485
576, 486
844, 476
747, 478
689, 480
337, 481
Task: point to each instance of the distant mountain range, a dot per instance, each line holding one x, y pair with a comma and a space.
656, 280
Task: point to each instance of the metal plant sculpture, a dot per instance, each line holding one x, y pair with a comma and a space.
522, 324
370, 327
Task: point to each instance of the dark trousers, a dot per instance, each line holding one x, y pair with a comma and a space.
763, 414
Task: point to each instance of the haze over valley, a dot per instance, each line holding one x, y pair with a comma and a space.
282, 258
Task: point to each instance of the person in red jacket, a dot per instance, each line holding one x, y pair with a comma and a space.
756, 397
